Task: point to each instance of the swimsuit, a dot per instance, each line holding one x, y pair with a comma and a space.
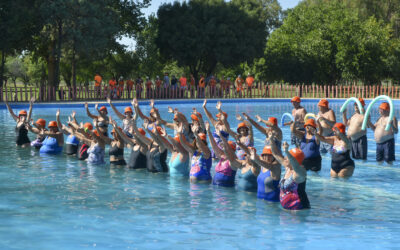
247, 181
177, 167
117, 152
72, 144
96, 155
359, 148
385, 151
155, 159
137, 159
224, 174
293, 196
83, 154
240, 152
22, 135
218, 140
200, 167
312, 157
340, 159
50, 146
268, 188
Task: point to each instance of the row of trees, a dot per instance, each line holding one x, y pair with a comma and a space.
318, 41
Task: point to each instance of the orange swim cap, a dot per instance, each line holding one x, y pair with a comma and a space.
362, 101
88, 125
310, 122
22, 113
219, 114
41, 122
297, 154
128, 109
203, 136
341, 127
53, 124
103, 108
296, 99
266, 151
273, 120
384, 106
141, 131
241, 125
323, 103
232, 144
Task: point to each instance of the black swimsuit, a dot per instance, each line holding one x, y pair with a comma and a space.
341, 161
117, 152
22, 135
137, 159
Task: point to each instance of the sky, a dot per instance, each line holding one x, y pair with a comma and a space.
156, 3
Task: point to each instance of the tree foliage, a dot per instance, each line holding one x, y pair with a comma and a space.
201, 34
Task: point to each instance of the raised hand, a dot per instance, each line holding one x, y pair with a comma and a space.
246, 116
204, 103
163, 132
58, 112
219, 104
152, 103
170, 110
135, 103
252, 153
86, 105
194, 111
180, 128
33, 99
239, 117
96, 105
73, 114
207, 124
108, 100
145, 123
258, 118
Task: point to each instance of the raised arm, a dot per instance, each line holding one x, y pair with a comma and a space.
28, 118
124, 137
227, 126
11, 111
208, 114
106, 139
163, 122
186, 145
344, 117
119, 114
255, 124
88, 112
301, 172
60, 126
154, 135
138, 111
218, 152
275, 152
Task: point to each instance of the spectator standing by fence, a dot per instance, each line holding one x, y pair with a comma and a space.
120, 91
166, 85
112, 84
239, 85
97, 85
202, 85
192, 86
183, 86
129, 87
228, 84
139, 87
213, 85
149, 89
249, 82
158, 87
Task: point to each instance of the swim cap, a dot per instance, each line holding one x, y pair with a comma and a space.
384, 106
88, 125
297, 154
41, 122
341, 127
128, 109
202, 136
296, 99
242, 125
96, 133
22, 113
141, 131
310, 122
176, 138
273, 120
323, 103
103, 108
158, 128
266, 151
362, 101
53, 124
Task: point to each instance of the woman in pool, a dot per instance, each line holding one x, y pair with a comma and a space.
201, 156
157, 153
244, 134
179, 160
138, 145
101, 120
271, 129
218, 124
224, 172
39, 125
54, 141
179, 118
22, 120
72, 142
116, 150
341, 164
95, 143
293, 194
197, 120
126, 118
152, 118
309, 144
269, 176
247, 170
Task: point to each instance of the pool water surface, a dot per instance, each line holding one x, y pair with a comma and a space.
49, 202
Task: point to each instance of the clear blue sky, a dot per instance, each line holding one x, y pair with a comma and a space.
156, 3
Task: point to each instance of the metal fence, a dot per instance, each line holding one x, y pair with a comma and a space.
262, 90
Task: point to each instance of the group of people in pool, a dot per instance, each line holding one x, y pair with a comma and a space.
195, 145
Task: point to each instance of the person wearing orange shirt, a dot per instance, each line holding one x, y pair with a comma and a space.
183, 87
120, 87
202, 85
129, 87
149, 89
239, 85
249, 82
97, 84
112, 84
213, 84
158, 87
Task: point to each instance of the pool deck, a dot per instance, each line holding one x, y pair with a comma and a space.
169, 101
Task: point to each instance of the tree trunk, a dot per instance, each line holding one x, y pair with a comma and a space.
3, 61
58, 58
73, 67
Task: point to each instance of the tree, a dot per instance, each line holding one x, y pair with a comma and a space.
201, 34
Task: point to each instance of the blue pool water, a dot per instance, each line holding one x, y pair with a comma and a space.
60, 202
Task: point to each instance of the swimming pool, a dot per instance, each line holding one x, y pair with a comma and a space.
58, 201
